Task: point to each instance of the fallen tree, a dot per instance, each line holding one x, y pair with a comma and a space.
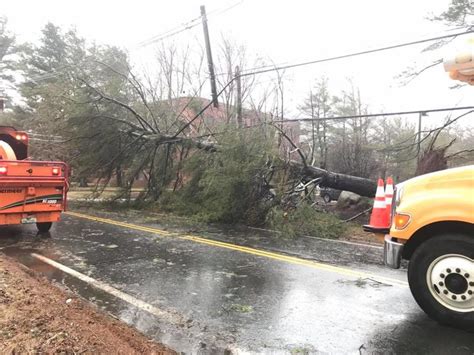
140, 133
358, 185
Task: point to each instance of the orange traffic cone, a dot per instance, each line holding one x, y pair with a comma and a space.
389, 198
379, 221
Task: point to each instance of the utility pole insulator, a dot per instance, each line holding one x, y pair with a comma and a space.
209, 57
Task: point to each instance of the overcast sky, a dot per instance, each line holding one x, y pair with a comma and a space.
283, 31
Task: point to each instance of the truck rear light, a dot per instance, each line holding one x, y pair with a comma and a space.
21, 137
401, 220
3, 170
56, 171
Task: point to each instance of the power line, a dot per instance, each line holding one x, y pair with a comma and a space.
220, 12
276, 68
171, 33
186, 26
355, 54
245, 72
371, 115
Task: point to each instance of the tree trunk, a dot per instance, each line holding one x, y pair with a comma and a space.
83, 182
119, 176
358, 185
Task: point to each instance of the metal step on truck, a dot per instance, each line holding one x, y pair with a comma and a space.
31, 192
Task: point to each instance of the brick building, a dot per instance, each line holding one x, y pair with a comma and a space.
213, 118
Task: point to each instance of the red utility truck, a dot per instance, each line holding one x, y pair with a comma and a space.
30, 191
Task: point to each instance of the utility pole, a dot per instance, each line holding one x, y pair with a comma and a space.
209, 57
238, 99
421, 114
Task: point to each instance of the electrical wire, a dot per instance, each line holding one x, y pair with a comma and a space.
355, 54
276, 68
373, 115
185, 27
262, 69
220, 12
169, 34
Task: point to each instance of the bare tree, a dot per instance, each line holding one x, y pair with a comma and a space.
352, 152
318, 106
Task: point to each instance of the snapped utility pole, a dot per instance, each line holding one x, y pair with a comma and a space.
209, 57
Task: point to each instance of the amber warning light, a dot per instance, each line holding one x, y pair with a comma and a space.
401, 220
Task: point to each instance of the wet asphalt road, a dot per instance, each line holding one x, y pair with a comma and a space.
217, 300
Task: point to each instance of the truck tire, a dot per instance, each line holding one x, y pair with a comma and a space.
44, 227
441, 279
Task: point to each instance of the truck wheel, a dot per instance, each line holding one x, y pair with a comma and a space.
44, 227
441, 278
327, 198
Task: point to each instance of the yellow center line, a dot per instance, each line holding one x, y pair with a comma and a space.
263, 253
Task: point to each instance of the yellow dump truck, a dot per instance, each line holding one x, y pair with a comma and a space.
432, 226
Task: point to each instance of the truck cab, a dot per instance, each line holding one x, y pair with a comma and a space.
432, 227
30, 191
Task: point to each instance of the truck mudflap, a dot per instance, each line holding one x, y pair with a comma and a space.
392, 252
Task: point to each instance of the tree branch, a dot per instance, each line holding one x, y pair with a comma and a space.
139, 118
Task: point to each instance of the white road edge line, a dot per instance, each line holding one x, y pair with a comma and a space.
164, 315
325, 239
